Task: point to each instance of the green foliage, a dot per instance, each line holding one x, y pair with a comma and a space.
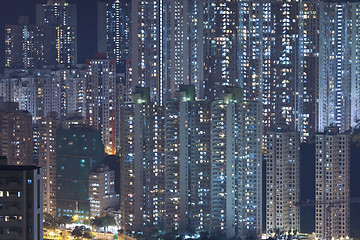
88, 235
50, 221
103, 222
96, 222
109, 221
82, 232
63, 220
77, 232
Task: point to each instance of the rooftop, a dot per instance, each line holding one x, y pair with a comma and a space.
17, 168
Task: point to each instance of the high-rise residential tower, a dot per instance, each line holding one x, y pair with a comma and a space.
236, 163
282, 180
41, 91
102, 195
45, 94
332, 184
62, 17
25, 45
187, 163
142, 198
255, 44
159, 47
16, 134
284, 88
21, 198
47, 160
101, 100
279, 62
339, 65
72, 90
220, 21
250, 169
308, 75
79, 150
114, 35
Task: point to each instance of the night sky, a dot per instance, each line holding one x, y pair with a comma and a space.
10, 10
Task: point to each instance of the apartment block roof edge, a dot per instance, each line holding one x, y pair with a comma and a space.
5, 166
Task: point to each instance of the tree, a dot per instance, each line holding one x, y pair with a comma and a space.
63, 220
49, 221
103, 222
82, 232
89, 235
87, 221
77, 232
97, 223
108, 221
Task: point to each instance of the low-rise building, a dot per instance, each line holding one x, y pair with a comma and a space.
102, 193
21, 202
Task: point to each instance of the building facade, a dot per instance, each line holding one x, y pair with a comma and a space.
21, 213
142, 199
25, 44
41, 91
187, 163
16, 134
160, 47
309, 22
220, 21
208, 161
236, 167
62, 17
282, 180
280, 62
338, 65
101, 100
79, 150
47, 160
332, 184
114, 34
102, 195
